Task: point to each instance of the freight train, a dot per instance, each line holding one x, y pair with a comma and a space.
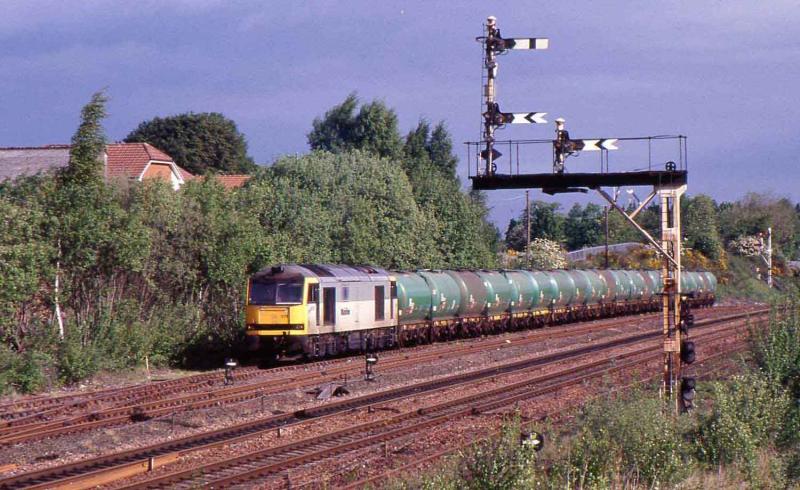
320, 310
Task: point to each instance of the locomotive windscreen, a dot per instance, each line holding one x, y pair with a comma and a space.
276, 293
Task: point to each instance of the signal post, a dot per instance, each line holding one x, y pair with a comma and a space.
668, 185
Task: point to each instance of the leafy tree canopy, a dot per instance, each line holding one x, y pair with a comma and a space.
85, 162
373, 129
754, 213
199, 142
546, 222
583, 227
427, 150
700, 226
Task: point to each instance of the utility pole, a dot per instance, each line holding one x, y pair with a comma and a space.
766, 255
606, 208
528, 235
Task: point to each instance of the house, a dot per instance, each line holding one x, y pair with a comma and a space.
121, 162
142, 161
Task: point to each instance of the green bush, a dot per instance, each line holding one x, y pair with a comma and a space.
777, 348
498, 463
75, 361
748, 412
8, 369
633, 440
30, 373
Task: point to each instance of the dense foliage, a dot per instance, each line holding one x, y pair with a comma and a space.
198, 142
140, 271
374, 129
728, 238
461, 234
707, 225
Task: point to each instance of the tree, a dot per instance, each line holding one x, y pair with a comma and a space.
198, 142
547, 254
621, 231
85, 167
374, 129
755, 213
700, 226
583, 227
546, 222
459, 229
350, 208
417, 158
464, 237
440, 149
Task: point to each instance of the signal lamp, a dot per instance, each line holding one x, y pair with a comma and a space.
688, 354
687, 393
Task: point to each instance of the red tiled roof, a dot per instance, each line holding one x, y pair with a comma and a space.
185, 174
232, 181
130, 159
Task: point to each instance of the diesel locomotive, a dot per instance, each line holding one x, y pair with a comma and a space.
319, 310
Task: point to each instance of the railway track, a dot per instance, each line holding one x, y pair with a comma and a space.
276, 460
20, 416
112, 466
372, 480
38, 425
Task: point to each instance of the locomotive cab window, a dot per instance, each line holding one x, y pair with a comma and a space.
266, 293
313, 293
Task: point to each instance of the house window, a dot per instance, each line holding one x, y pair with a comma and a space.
345, 294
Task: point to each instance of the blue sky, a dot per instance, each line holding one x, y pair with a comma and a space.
724, 73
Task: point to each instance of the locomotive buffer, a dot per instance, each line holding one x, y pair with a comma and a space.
668, 185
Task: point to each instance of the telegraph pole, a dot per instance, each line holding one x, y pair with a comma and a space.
606, 209
528, 235
767, 256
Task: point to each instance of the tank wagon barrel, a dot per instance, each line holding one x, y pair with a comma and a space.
321, 310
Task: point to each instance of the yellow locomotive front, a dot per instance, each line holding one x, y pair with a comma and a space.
277, 306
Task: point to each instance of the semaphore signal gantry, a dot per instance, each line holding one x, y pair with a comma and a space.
495, 44
668, 185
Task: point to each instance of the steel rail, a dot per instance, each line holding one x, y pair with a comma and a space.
29, 409
374, 479
18, 433
274, 460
